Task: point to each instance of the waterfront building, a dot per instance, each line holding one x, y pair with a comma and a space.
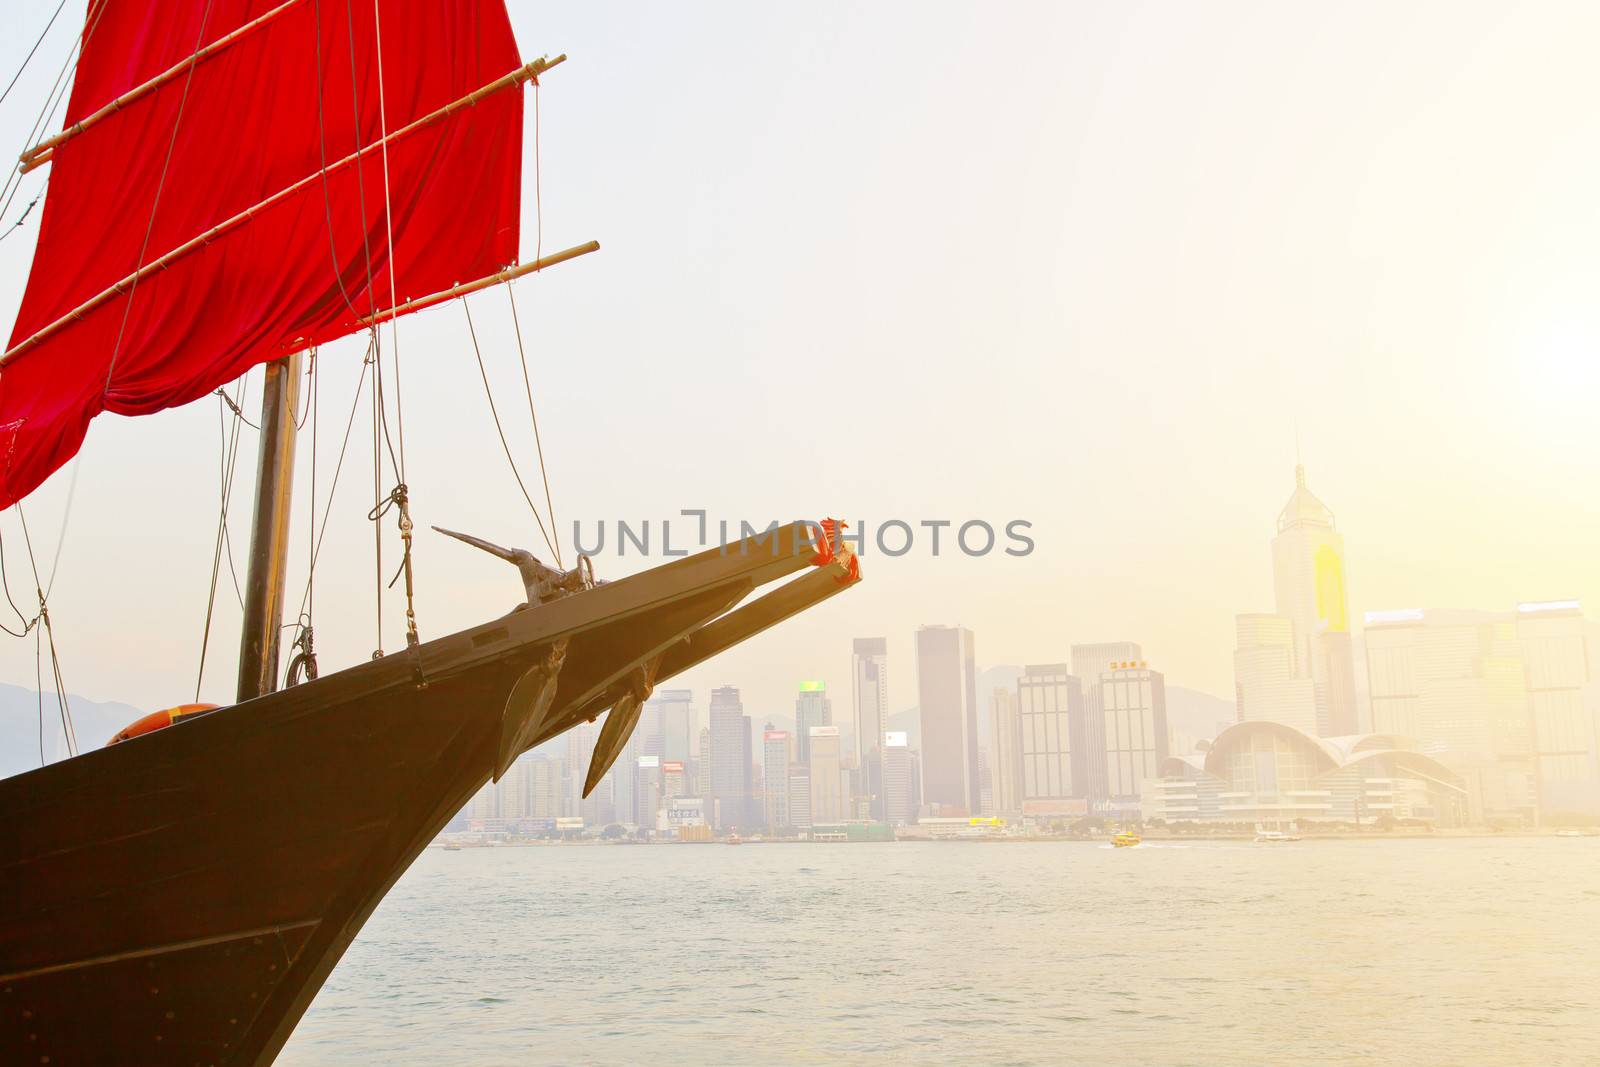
869, 678
622, 777
512, 789
1005, 751
730, 758
672, 711
1504, 698
580, 750
1263, 773
776, 746
646, 790
900, 796
811, 708
800, 796
1265, 683
1309, 588
1050, 717
947, 698
702, 763
1564, 704
674, 779
1090, 659
1131, 701
546, 786
827, 793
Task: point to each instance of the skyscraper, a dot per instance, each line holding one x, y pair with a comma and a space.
1309, 586
580, 750
775, 761
1051, 723
1265, 685
675, 720
1005, 751
1562, 703
800, 796
1502, 698
900, 800
730, 758
947, 699
811, 708
646, 791
545, 779
870, 694
1089, 660
1133, 707
622, 778
827, 782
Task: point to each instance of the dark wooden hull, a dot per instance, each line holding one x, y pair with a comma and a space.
180, 898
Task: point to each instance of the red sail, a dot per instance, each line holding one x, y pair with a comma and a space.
286, 97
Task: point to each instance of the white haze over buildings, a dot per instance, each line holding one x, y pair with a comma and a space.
1093, 266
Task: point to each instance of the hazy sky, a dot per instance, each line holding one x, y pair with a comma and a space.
1089, 265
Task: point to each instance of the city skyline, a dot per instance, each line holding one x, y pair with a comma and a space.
1314, 273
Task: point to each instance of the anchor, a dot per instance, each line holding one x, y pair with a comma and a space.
541, 582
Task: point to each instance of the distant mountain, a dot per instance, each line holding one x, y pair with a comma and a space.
93, 723
1199, 715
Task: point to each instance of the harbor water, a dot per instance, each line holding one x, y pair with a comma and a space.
1434, 951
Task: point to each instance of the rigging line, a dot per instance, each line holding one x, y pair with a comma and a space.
388, 225
538, 192
5, 583
45, 111
327, 512
225, 468
15, 226
38, 687
314, 413
44, 617
29, 58
527, 385
52, 101
229, 445
61, 686
504, 444
66, 519
322, 156
238, 412
377, 486
155, 203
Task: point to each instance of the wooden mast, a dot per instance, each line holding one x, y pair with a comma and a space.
269, 532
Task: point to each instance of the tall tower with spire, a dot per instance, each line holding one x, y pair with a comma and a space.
1309, 584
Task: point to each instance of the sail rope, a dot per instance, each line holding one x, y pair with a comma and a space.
505, 445
53, 100
230, 455
522, 354
316, 549
551, 534
155, 203
29, 57
533, 414
62, 704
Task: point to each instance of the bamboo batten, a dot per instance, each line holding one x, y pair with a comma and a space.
32, 157
509, 274
517, 77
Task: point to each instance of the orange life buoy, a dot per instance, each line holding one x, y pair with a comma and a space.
159, 720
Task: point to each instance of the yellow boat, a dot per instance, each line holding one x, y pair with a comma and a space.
1126, 839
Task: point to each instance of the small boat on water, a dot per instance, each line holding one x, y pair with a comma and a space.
1274, 837
1125, 839
734, 839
